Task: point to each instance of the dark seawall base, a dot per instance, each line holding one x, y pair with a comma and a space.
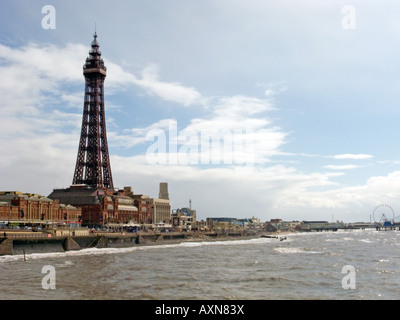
16, 246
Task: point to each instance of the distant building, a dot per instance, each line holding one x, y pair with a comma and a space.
310, 225
160, 210
270, 227
281, 225
202, 225
184, 218
163, 194
321, 225
223, 223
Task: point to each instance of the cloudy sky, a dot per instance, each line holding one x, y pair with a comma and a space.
274, 109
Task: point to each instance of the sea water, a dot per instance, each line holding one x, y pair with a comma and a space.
354, 264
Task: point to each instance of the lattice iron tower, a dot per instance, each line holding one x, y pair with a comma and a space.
93, 162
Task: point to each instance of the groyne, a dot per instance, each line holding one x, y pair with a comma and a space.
14, 244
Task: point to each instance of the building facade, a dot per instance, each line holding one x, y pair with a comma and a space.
184, 219
104, 207
160, 210
33, 209
143, 203
100, 207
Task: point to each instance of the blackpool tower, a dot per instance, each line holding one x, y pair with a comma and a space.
93, 162
92, 188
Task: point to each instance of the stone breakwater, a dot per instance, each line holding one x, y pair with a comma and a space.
41, 243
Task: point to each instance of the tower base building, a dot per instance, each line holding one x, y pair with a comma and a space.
100, 207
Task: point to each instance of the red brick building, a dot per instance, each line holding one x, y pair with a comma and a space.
33, 209
143, 203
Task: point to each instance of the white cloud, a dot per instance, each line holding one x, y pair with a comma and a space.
342, 167
33, 76
236, 131
35, 70
132, 137
149, 81
272, 89
348, 156
355, 202
169, 91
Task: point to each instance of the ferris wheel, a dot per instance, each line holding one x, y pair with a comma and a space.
383, 214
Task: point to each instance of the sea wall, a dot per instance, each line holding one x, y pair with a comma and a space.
6, 247
22, 246
15, 245
26, 245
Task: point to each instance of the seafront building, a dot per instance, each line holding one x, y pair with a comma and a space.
321, 225
229, 223
82, 206
184, 219
29, 209
99, 206
160, 211
160, 208
109, 208
279, 225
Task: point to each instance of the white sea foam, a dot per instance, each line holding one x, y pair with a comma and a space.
295, 250
366, 241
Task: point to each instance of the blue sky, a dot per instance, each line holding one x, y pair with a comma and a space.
316, 100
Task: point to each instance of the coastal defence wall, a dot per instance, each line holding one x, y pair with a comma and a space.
22, 246
25, 245
6, 247
15, 245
